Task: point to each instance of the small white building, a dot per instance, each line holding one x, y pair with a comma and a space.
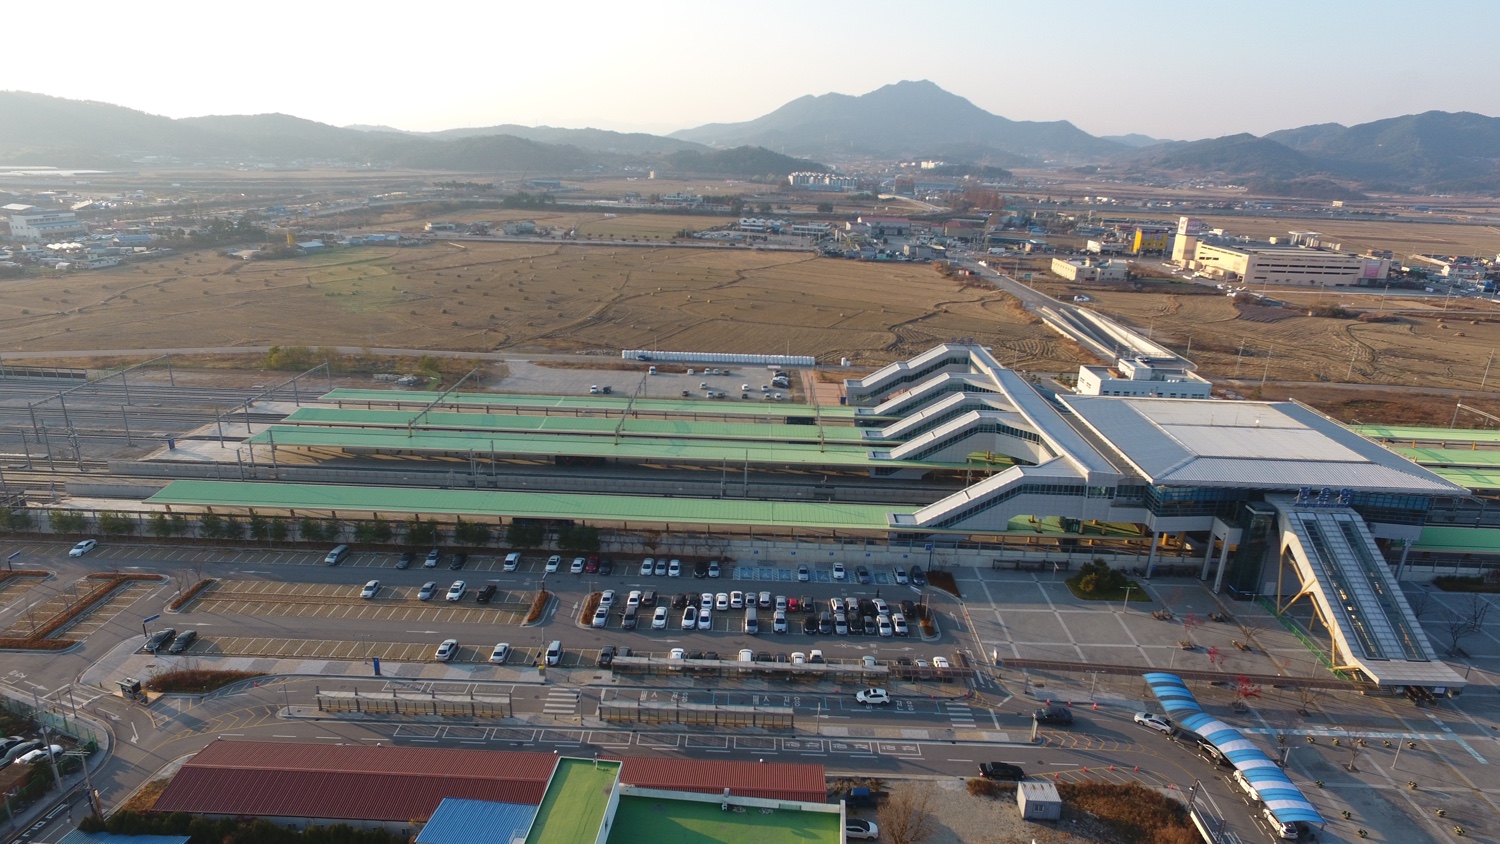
1143, 377
1088, 269
1038, 801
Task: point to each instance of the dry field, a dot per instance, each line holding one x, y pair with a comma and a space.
645, 226
526, 297
1439, 350
1402, 238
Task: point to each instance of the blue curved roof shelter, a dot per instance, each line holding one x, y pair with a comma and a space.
1284, 799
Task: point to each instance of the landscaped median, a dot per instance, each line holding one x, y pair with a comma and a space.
538, 608
196, 681
590, 604
1096, 581
22, 636
189, 594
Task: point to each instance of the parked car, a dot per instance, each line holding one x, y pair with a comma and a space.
83, 547
630, 618
661, 569
765, 600
334, 557
873, 696
736, 600
427, 591
778, 622
39, 754
839, 573
700, 569
810, 625
606, 656
446, 650
648, 598
607, 598
633, 599
898, 621
553, 562
721, 601
1001, 771
372, 588
901, 577
601, 617
432, 558
512, 561
485, 594
659, 619
883, 626
19, 749
648, 567
859, 829
1245, 786
500, 654
681, 600
918, 577
457, 590
457, 561
1053, 715
705, 620
606, 567
804, 574
554, 652
690, 618
940, 662
160, 639
406, 559
706, 601
591, 566
862, 574
713, 568
183, 642
1152, 721
576, 567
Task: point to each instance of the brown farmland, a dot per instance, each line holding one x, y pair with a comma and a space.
526, 297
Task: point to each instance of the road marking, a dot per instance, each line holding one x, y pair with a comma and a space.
280, 736
134, 735
960, 760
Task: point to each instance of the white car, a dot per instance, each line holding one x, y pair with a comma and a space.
706, 601
607, 598
721, 601
648, 566
781, 602
661, 568
553, 562
457, 590
1245, 786
873, 697
426, 592
901, 577
859, 829
674, 568
83, 547
38, 754
881, 607
778, 622
371, 589
839, 572
898, 621
659, 619
633, 599
804, 573
446, 650
705, 620
883, 626
690, 618
577, 566
940, 662
1155, 722
736, 600
601, 616
677, 653
500, 654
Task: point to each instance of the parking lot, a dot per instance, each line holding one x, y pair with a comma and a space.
12, 588
321, 600
87, 623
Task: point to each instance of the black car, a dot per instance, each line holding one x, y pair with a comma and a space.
1001, 771
679, 601
783, 658
805, 603
607, 566
918, 577
909, 609
458, 560
810, 625
606, 656
630, 619
406, 559
825, 623
1053, 715
160, 639
700, 569
711, 655
183, 642
763, 656
485, 594
648, 598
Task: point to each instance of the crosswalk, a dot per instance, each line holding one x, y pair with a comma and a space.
960, 714
561, 702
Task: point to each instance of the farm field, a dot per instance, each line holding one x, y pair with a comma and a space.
527, 297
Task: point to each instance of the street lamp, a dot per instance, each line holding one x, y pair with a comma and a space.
1126, 602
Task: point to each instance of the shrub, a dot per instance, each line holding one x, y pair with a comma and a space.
1133, 811
538, 605
1455, 583
377, 531
163, 526
981, 787
67, 521
116, 524
196, 680
419, 532
524, 533
192, 592
471, 533
15, 521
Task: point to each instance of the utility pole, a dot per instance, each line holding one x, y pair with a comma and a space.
1486, 377
1267, 371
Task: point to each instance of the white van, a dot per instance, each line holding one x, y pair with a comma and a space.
513, 561
752, 621
1244, 784
337, 555
554, 652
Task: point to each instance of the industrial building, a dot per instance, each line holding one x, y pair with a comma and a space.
1088, 269
1303, 263
30, 224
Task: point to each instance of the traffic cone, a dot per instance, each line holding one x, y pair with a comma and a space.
1111, 767
1096, 706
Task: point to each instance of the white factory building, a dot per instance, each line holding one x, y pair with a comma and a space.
30, 224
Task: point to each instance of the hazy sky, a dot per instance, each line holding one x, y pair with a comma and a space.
1163, 68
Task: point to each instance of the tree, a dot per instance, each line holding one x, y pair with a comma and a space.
524, 533
907, 815
67, 521
471, 533
116, 524
164, 526
419, 532
1463, 621
377, 531
825, 207
278, 530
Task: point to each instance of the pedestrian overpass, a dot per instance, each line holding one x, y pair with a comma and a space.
1341, 572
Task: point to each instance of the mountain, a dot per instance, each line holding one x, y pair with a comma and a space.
37, 129
598, 140
1134, 140
1428, 150
900, 120
1234, 157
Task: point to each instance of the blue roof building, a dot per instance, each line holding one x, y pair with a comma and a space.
476, 822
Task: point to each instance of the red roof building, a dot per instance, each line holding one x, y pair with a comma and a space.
400, 785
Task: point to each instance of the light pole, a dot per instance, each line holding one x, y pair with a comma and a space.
1125, 603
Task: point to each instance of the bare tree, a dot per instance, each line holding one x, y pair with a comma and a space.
1420, 603
907, 815
1462, 622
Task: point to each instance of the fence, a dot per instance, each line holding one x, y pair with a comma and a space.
53, 716
415, 703
697, 714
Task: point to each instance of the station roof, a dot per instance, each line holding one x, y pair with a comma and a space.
1416, 433
578, 796
597, 425
616, 404
667, 821
402, 501
459, 821
1474, 458
1258, 445
1458, 540
662, 449
1472, 478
